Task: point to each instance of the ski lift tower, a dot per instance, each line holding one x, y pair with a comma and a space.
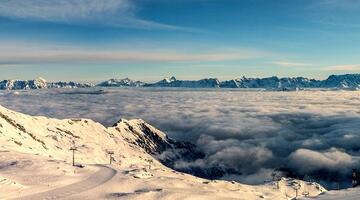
110, 156
297, 187
73, 149
355, 178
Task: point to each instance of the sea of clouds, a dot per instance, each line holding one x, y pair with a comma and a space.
314, 134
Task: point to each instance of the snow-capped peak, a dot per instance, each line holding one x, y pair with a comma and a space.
126, 82
41, 79
39, 83
172, 79
139, 132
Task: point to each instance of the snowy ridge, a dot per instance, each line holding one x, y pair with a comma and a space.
126, 82
272, 82
342, 81
347, 82
39, 83
41, 146
21, 85
173, 82
139, 133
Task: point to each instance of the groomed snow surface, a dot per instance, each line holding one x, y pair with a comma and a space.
349, 194
36, 163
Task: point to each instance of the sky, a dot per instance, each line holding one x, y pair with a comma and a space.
93, 40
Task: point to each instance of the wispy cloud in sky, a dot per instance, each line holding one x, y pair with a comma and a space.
329, 68
115, 13
336, 13
23, 54
291, 64
340, 4
355, 67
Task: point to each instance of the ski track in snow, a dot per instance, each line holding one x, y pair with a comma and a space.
349, 194
100, 177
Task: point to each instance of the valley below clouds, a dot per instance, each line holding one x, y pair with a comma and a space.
246, 134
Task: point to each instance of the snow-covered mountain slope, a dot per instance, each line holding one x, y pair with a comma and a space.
126, 82
53, 137
39, 83
36, 158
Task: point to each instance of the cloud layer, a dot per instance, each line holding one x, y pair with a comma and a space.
246, 133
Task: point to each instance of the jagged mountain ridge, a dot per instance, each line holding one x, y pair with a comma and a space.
342, 81
157, 143
346, 81
126, 82
173, 82
39, 83
271, 82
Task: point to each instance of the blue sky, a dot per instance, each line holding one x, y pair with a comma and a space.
191, 39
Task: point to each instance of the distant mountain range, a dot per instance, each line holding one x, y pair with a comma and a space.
347, 81
173, 82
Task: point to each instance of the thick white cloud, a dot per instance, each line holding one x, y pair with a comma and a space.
305, 160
